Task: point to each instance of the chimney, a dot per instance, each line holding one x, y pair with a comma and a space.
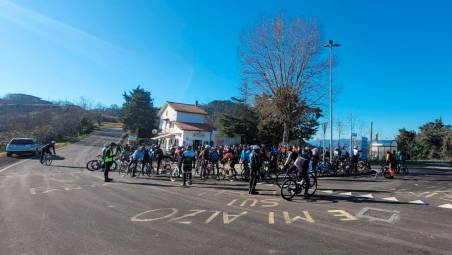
196, 102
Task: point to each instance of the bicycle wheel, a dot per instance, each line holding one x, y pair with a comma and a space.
289, 189
96, 165
47, 160
89, 165
113, 166
281, 178
174, 174
312, 185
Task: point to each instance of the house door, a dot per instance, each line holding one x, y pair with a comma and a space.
197, 143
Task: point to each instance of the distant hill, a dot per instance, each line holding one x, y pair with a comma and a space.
217, 108
23, 99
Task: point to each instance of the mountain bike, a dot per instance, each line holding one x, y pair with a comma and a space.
294, 186
98, 164
47, 159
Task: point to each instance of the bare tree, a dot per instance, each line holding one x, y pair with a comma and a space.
283, 60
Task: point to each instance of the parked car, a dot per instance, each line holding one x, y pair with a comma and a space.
21, 146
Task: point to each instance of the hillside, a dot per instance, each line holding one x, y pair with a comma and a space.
29, 116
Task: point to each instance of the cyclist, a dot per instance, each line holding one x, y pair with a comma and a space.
355, 158
214, 157
187, 160
46, 150
315, 159
205, 155
137, 156
255, 165
245, 157
108, 160
158, 155
125, 153
302, 165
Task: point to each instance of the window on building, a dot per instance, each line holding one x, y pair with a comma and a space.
172, 124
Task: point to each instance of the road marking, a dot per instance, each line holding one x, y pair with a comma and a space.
195, 212
67, 189
367, 196
394, 199
447, 206
202, 193
418, 202
327, 191
394, 215
213, 216
50, 190
307, 217
171, 214
345, 194
271, 218
32, 191
345, 215
230, 218
431, 194
15, 164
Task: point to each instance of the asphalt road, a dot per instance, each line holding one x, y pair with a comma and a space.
65, 209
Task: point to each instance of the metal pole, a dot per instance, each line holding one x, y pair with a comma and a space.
371, 138
331, 104
351, 134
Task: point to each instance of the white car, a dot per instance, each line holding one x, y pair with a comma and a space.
21, 146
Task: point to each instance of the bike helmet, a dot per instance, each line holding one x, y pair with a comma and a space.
256, 147
52, 142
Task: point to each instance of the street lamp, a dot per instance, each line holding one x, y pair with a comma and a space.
331, 45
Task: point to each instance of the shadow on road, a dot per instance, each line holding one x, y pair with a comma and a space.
359, 200
74, 167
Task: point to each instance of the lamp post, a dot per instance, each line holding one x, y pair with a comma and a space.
330, 45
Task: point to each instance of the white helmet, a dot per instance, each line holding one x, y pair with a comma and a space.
256, 147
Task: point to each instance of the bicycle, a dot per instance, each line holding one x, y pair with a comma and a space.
402, 169
98, 164
384, 171
47, 159
135, 168
294, 186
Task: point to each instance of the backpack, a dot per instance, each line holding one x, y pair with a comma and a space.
214, 156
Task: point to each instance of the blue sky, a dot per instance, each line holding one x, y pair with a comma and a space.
394, 65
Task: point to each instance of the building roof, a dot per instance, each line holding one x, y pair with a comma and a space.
180, 107
200, 127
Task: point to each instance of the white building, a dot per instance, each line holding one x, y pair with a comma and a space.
184, 124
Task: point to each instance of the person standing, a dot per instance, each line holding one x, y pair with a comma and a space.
158, 154
188, 156
214, 158
255, 166
315, 160
108, 161
355, 158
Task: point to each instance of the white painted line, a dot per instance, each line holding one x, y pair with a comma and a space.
32, 191
50, 190
15, 164
447, 206
269, 184
345, 194
367, 196
327, 191
391, 199
418, 202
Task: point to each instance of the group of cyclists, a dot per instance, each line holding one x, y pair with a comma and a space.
206, 160
255, 160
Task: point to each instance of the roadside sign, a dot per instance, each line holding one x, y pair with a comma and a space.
132, 138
